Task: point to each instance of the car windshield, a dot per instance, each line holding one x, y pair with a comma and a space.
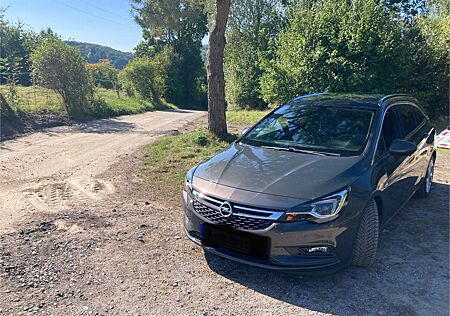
321, 129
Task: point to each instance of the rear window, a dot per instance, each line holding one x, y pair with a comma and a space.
419, 116
342, 130
408, 116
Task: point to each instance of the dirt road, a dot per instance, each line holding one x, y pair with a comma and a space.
53, 170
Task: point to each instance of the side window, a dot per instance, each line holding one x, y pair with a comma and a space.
419, 116
408, 117
381, 147
389, 132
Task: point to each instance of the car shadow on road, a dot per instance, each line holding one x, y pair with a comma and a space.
410, 275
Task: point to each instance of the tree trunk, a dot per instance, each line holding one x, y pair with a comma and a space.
4, 106
216, 82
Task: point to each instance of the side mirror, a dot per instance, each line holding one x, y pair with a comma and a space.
402, 148
245, 130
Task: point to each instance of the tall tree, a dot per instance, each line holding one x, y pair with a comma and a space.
214, 67
180, 25
252, 26
16, 43
338, 46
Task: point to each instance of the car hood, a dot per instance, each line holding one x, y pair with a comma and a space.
282, 173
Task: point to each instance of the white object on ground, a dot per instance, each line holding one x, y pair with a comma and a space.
443, 139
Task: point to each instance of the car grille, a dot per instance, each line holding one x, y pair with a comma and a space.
242, 217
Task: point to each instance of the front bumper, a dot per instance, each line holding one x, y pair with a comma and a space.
288, 243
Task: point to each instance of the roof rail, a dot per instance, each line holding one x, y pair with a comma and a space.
307, 95
394, 95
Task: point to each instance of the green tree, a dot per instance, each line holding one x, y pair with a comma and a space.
94, 53
252, 25
407, 9
16, 44
11, 70
428, 40
60, 67
180, 25
145, 77
103, 74
336, 45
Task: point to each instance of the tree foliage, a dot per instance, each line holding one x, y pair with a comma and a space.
357, 46
180, 26
251, 27
60, 67
145, 77
429, 57
16, 44
94, 53
103, 74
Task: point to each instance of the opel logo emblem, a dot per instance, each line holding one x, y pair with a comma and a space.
226, 209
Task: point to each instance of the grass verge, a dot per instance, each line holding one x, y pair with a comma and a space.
169, 158
36, 99
245, 118
114, 106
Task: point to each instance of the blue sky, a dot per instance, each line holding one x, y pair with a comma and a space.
104, 22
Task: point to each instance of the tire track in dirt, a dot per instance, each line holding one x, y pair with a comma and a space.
59, 168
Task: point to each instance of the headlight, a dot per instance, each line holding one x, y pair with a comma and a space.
189, 178
320, 211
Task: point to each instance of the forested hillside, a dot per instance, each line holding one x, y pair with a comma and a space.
93, 53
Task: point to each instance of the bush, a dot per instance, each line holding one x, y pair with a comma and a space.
336, 46
103, 74
361, 46
60, 67
100, 108
144, 77
429, 38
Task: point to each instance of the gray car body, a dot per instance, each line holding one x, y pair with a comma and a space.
280, 180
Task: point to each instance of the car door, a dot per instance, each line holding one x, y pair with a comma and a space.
390, 169
416, 131
424, 139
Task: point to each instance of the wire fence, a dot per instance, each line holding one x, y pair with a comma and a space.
34, 97
31, 98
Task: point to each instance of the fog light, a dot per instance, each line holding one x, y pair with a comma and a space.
317, 249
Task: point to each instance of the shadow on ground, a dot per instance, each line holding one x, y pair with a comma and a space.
105, 126
410, 275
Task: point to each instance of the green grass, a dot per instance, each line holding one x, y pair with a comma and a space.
443, 151
35, 98
169, 158
128, 105
245, 117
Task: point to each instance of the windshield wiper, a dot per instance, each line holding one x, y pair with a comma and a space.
302, 151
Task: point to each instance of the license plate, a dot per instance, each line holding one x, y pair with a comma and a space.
235, 240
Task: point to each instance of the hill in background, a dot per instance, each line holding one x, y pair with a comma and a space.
93, 53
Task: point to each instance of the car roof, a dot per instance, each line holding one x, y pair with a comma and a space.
350, 99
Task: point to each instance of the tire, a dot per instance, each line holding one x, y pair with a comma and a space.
426, 183
365, 248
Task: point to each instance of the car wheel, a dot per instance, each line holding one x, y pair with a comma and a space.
366, 244
426, 183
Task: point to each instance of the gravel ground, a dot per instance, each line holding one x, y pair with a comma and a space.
126, 254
